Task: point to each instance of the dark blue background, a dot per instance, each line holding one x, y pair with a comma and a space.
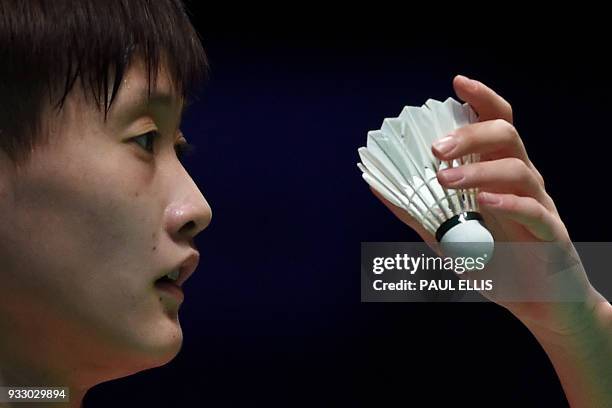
273, 315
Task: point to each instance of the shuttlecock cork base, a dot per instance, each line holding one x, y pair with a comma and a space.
398, 163
465, 235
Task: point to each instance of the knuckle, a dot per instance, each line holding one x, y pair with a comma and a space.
508, 108
507, 129
533, 209
540, 213
519, 171
541, 181
516, 165
539, 177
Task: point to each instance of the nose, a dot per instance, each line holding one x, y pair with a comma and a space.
187, 218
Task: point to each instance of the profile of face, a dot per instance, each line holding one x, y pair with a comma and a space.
87, 227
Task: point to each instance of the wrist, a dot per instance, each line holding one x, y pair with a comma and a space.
581, 354
561, 321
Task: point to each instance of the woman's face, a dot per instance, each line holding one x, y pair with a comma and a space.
87, 228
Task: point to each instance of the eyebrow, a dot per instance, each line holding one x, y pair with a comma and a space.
157, 98
160, 98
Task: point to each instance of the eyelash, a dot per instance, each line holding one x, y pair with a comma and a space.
182, 149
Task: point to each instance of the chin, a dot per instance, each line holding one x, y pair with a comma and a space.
150, 355
152, 348
168, 353
167, 344
146, 342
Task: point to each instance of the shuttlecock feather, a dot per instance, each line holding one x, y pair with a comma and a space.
398, 163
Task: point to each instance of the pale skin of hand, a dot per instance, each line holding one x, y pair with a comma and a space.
577, 336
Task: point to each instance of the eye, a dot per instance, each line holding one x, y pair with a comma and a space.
149, 140
182, 148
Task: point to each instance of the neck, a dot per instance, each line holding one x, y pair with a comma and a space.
29, 376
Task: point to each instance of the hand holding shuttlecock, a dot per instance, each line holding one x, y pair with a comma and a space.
398, 163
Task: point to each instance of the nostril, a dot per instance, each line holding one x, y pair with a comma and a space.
187, 227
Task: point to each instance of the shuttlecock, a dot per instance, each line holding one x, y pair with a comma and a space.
399, 164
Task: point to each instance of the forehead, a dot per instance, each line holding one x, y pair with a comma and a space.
139, 90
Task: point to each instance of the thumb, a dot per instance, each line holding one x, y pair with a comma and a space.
487, 104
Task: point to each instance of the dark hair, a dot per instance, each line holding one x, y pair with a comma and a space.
46, 45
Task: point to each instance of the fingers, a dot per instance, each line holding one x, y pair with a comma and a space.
508, 175
492, 139
488, 104
527, 212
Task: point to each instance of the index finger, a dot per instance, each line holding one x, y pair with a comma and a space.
486, 102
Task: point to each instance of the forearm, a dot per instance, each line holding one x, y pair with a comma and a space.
583, 360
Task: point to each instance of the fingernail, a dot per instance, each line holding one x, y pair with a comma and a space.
488, 199
446, 144
451, 175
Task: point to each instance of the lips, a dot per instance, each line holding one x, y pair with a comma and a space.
171, 288
185, 269
188, 267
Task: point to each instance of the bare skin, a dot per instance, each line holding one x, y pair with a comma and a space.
577, 336
87, 227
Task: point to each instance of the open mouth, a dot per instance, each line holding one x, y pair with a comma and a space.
175, 279
169, 284
164, 279
172, 277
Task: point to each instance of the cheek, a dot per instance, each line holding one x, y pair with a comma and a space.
85, 232
80, 263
